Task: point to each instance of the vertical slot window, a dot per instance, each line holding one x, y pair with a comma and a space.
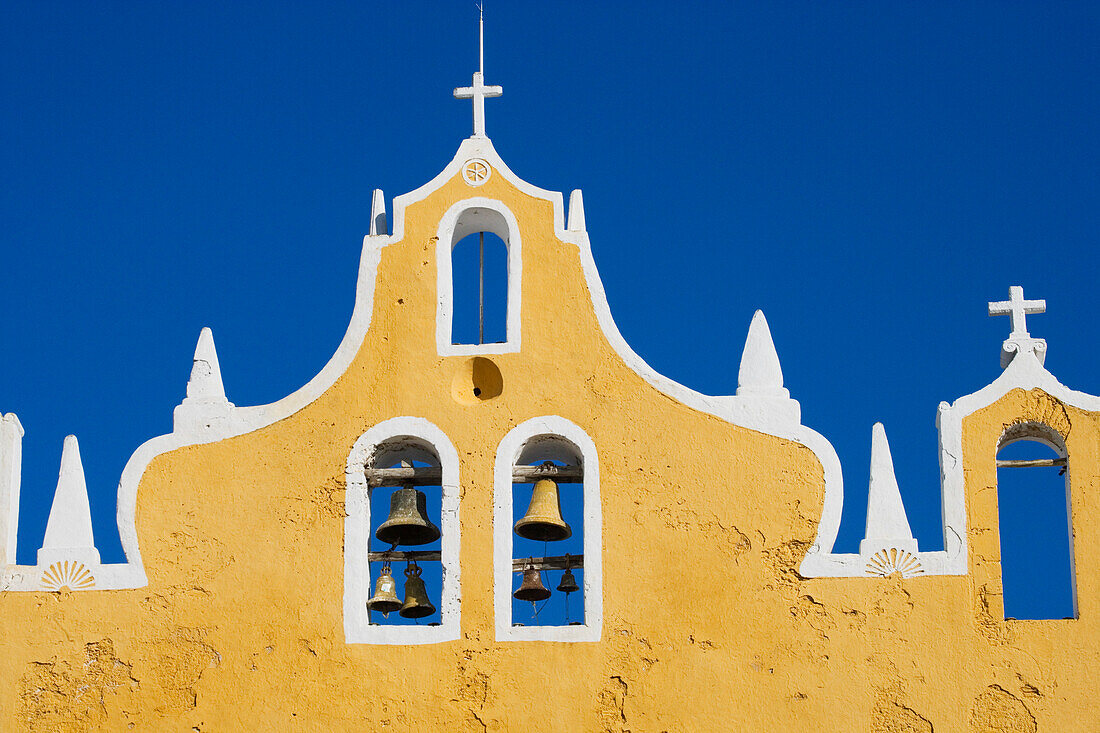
1037, 575
479, 271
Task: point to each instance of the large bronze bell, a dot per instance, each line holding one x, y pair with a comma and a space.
385, 598
568, 583
531, 589
416, 603
543, 522
408, 523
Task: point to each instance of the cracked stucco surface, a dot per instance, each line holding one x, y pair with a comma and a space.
708, 625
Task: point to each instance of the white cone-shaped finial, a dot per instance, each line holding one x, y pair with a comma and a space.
205, 408
576, 212
886, 518
760, 372
69, 528
206, 374
378, 224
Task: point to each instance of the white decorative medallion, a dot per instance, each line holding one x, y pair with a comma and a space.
476, 171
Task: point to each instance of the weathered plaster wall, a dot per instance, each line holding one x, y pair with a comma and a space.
708, 626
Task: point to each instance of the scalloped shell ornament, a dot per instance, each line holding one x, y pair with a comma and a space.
886, 562
71, 574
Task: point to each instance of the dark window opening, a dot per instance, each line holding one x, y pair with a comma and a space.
1036, 547
480, 302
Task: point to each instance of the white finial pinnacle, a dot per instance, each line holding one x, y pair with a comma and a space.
477, 91
70, 523
11, 468
205, 408
886, 518
576, 212
378, 224
205, 384
760, 372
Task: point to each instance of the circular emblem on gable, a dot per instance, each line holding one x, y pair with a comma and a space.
476, 171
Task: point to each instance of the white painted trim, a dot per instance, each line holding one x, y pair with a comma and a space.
241, 420
467, 217
357, 528
508, 452
238, 421
741, 411
1025, 372
738, 410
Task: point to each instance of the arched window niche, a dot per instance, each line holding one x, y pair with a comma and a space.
400, 444
462, 220
1035, 522
564, 446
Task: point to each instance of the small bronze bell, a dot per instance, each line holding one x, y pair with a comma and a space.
385, 598
543, 522
408, 523
568, 583
532, 588
416, 603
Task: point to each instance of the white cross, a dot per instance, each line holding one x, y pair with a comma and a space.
478, 91
1018, 308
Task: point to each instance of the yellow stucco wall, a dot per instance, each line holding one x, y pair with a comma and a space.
708, 626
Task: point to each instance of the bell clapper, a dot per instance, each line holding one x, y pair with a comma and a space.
418, 571
535, 610
386, 571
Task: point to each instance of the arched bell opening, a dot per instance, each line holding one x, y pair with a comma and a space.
402, 512
1033, 500
404, 481
548, 533
529, 523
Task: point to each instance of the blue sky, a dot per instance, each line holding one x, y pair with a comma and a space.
869, 174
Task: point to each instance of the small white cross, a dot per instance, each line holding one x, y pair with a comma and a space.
478, 92
1018, 308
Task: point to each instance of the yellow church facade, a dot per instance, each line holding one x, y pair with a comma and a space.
245, 602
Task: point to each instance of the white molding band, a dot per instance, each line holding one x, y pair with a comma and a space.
742, 410
1025, 372
241, 420
421, 435
509, 452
